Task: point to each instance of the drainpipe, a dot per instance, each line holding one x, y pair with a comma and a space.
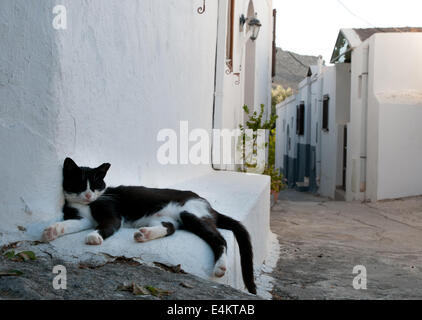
218, 90
364, 122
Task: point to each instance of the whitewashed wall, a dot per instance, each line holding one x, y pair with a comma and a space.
355, 186
317, 82
393, 132
329, 138
286, 112
280, 139
101, 90
396, 93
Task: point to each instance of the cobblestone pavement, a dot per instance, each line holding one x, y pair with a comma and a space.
322, 241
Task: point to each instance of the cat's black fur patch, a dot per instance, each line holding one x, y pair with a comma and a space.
70, 213
170, 228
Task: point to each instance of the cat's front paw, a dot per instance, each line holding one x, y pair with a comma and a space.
143, 235
94, 239
53, 232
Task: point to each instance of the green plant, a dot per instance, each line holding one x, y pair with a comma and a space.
271, 148
276, 179
255, 122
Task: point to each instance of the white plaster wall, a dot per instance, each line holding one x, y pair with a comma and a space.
315, 97
154, 76
291, 121
329, 138
280, 141
29, 171
397, 96
264, 54
353, 178
343, 72
316, 121
393, 139
372, 129
98, 91
285, 111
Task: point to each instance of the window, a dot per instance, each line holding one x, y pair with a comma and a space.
230, 33
300, 119
325, 110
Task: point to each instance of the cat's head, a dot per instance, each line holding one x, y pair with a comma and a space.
81, 184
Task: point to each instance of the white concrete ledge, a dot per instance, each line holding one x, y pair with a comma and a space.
244, 197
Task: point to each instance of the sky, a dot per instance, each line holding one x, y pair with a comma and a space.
311, 26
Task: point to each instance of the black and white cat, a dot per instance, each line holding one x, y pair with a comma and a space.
156, 212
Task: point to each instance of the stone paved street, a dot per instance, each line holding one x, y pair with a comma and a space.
321, 241
111, 281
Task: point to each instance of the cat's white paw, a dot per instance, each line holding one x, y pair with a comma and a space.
94, 239
220, 266
52, 232
144, 234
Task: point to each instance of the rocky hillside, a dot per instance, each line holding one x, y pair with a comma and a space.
292, 68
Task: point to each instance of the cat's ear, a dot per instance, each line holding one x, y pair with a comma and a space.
102, 170
69, 165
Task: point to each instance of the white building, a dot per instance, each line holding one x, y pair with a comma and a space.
363, 117
101, 89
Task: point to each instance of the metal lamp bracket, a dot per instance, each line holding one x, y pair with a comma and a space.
201, 10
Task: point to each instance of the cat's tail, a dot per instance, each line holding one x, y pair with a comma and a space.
245, 248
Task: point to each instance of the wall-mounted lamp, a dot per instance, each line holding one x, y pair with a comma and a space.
253, 23
255, 26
